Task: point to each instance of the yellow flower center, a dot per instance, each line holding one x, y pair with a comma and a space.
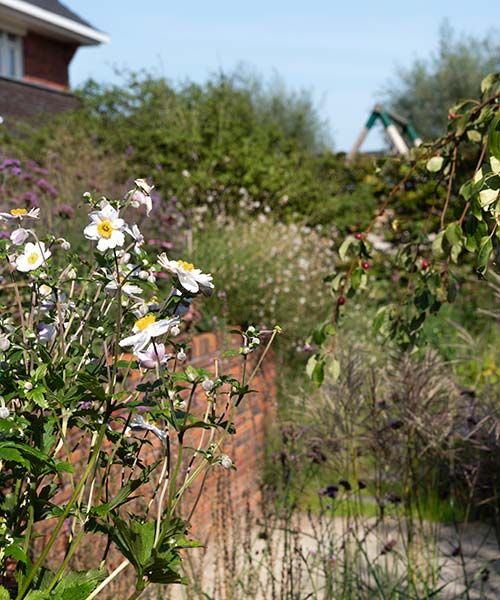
146, 321
33, 258
187, 266
105, 229
18, 211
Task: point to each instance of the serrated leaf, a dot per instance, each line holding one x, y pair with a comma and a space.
434, 164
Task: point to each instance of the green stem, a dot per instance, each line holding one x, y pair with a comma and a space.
93, 459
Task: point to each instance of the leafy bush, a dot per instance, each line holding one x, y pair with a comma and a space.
93, 373
267, 272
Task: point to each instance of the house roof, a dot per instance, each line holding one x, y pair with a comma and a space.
56, 7
54, 17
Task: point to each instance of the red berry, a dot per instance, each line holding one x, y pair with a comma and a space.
359, 236
425, 263
365, 265
341, 300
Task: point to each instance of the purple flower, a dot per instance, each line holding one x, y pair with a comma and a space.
65, 210
47, 187
16, 171
11, 162
31, 198
36, 168
4, 235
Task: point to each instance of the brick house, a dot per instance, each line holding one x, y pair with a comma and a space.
38, 39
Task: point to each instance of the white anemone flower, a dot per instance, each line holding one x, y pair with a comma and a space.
128, 289
146, 329
190, 278
106, 227
18, 214
34, 256
152, 356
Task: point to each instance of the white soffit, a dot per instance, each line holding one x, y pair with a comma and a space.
67, 28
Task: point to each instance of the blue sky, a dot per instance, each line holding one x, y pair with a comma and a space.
344, 52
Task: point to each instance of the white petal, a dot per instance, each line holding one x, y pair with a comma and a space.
139, 340
90, 232
188, 283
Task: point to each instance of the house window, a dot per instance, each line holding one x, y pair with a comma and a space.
11, 55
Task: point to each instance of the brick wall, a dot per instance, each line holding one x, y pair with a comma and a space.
247, 447
226, 493
20, 101
46, 60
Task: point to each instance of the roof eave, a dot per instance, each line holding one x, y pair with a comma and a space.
69, 29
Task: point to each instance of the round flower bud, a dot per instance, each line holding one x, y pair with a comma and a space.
4, 343
19, 236
151, 278
207, 385
175, 330
28, 386
143, 275
181, 356
4, 412
65, 245
226, 461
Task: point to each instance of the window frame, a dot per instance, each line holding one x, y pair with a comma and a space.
11, 42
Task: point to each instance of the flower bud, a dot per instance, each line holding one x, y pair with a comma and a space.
207, 385
4, 342
28, 386
226, 461
65, 245
4, 412
175, 330
181, 356
143, 275
19, 236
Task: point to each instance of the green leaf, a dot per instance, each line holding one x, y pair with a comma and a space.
37, 395
434, 164
487, 197
485, 251
345, 247
4, 594
487, 83
456, 249
356, 277
474, 136
315, 369
494, 137
78, 585
454, 233
495, 165
334, 370
437, 244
